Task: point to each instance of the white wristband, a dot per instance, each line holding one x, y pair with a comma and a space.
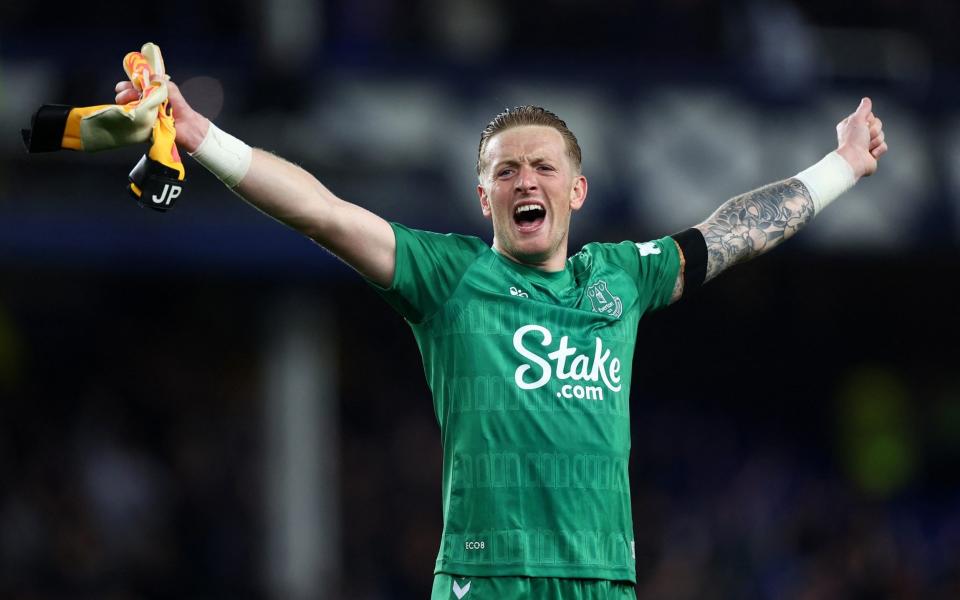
827, 179
223, 155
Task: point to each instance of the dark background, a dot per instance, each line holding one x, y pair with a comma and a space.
796, 425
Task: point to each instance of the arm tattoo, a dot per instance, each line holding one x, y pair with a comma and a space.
750, 224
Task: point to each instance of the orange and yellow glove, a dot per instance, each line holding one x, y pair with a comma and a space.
157, 180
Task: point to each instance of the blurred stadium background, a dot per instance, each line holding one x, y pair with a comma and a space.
204, 404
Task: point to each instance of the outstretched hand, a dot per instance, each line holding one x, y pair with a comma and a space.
860, 139
191, 125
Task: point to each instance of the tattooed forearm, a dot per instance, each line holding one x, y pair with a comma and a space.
750, 224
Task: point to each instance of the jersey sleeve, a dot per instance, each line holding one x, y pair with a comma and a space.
659, 269
654, 266
428, 268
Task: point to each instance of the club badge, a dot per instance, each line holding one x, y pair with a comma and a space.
604, 301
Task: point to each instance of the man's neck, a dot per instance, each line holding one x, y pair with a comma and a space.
555, 263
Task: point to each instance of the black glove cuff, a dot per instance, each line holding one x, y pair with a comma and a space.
158, 185
46, 128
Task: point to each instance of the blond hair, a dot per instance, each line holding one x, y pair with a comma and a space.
519, 116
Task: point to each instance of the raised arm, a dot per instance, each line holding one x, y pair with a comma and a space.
750, 224
293, 196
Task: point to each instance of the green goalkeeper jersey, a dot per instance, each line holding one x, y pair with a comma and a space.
530, 375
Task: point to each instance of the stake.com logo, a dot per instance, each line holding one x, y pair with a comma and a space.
580, 368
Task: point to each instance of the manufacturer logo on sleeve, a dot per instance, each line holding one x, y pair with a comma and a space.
648, 248
604, 301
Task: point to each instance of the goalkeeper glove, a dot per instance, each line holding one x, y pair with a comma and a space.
157, 180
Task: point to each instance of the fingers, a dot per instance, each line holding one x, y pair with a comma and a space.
865, 108
879, 150
878, 144
173, 91
126, 92
127, 96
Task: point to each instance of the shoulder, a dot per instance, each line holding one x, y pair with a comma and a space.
448, 242
627, 254
652, 267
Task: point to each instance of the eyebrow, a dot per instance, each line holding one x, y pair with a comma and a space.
536, 160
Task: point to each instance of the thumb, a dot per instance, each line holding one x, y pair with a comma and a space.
866, 105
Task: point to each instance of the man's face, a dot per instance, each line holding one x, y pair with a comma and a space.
529, 188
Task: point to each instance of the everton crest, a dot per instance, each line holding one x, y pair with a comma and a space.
604, 301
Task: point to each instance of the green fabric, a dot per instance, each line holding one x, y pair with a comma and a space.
526, 588
530, 374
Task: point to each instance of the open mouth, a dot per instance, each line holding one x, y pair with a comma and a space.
529, 216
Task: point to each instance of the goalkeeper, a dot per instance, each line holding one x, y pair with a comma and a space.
528, 352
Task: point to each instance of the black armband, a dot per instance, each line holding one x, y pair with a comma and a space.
694, 249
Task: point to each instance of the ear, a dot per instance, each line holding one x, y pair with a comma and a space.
484, 201
578, 194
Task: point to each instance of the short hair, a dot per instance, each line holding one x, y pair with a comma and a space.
519, 116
